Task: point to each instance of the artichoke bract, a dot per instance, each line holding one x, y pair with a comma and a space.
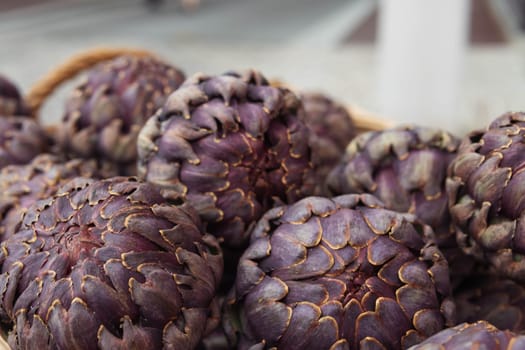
473, 336
23, 185
339, 273
232, 146
11, 101
499, 301
106, 111
216, 340
21, 139
406, 168
486, 189
332, 129
109, 264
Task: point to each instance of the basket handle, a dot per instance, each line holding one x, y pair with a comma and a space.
366, 121
70, 68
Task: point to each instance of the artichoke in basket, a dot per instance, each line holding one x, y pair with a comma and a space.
109, 264
499, 301
406, 168
21, 139
232, 146
332, 129
106, 111
23, 185
486, 189
11, 101
473, 336
339, 273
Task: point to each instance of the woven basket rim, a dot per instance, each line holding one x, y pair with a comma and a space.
365, 120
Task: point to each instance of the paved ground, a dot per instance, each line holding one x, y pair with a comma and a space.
6, 5
484, 27
295, 40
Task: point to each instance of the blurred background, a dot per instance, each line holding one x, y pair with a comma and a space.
456, 64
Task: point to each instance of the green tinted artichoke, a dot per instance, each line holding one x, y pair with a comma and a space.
486, 189
23, 185
406, 168
332, 129
476, 336
110, 265
339, 273
501, 302
232, 146
106, 111
21, 139
11, 102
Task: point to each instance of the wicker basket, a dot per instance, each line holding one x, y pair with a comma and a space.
69, 69
80, 62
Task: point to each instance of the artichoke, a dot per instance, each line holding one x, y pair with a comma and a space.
23, 185
21, 139
332, 128
406, 168
106, 111
499, 301
339, 273
486, 190
473, 336
109, 264
11, 102
232, 146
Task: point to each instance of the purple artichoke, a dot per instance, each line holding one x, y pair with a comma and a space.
232, 146
486, 189
106, 111
11, 101
109, 265
21, 139
339, 273
474, 336
501, 302
332, 129
23, 185
406, 168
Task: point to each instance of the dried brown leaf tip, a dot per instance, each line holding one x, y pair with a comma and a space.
232, 146
339, 273
109, 264
486, 189
105, 112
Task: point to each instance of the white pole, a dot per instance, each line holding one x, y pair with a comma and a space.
422, 44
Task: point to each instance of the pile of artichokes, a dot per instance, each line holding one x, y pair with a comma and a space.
225, 212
